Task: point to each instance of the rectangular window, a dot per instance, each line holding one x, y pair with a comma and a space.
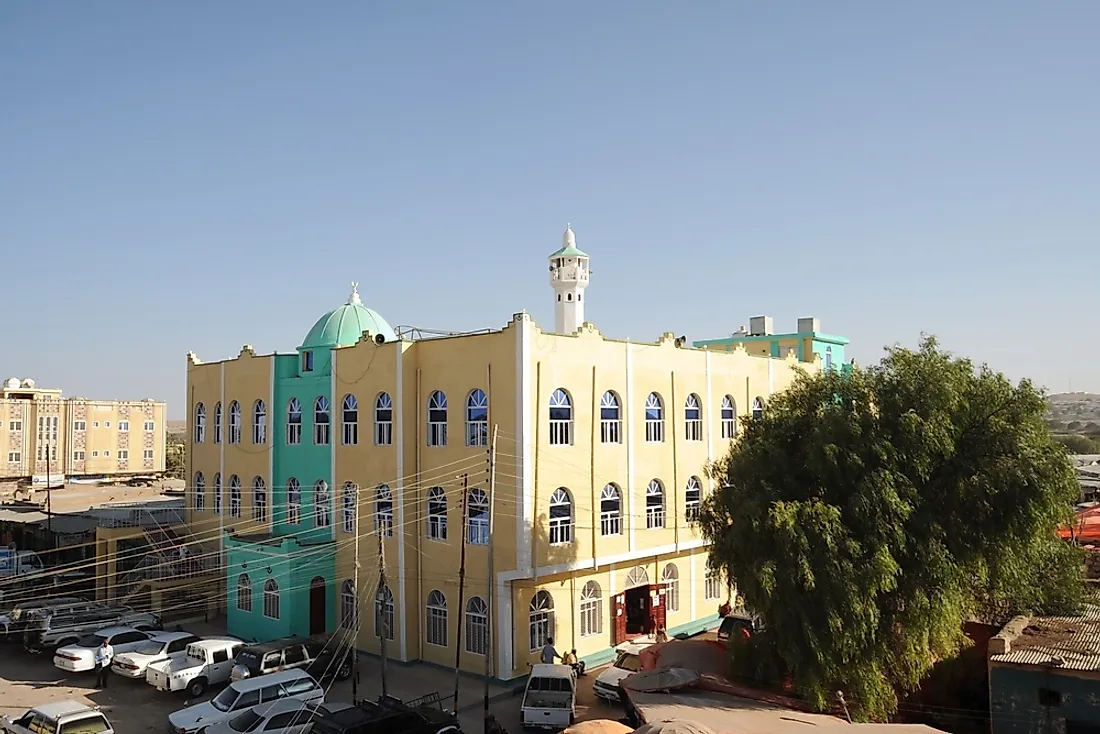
437, 433
350, 433
320, 434
147, 454
591, 618
79, 455
383, 433
293, 434
611, 430
149, 427
307, 361
107, 424
477, 633
383, 619
123, 426
200, 499
107, 452
14, 426
654, 430
712, 588
437, 626
259, 429
123, 454
95, 424
693, 429
95, 454
15, 457
80, 425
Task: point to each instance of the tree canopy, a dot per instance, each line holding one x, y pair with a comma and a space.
867, 515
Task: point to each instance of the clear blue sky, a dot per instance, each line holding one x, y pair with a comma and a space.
202, 175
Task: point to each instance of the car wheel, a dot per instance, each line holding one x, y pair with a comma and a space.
196, 688
344, 671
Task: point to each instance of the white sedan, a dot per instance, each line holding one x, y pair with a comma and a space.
80, 657
165, 646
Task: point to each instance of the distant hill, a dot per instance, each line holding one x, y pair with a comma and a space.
1074, 412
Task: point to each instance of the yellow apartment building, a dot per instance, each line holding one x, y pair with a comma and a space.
43, 434
366, 439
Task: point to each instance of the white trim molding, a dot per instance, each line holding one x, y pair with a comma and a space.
595, 563
399, 426
628, 424
525, 475
222, 507
335, 490
270, 429
692, 583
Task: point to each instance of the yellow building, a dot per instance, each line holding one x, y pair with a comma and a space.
298, 462
43, 434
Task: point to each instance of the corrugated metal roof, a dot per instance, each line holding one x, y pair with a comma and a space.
1068, 643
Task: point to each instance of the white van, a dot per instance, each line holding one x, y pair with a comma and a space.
242, 695
550, 699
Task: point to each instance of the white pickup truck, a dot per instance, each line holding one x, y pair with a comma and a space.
550, 700
207, 662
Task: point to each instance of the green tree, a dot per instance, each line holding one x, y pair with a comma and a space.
175, 458
1076, 444
866, 516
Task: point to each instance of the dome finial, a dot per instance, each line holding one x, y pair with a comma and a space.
568, 239
354, 297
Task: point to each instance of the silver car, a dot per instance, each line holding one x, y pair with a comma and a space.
286, 716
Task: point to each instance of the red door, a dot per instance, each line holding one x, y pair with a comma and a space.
618, 619
657, 609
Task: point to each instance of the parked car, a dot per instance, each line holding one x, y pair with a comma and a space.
735, 624
287, 716
30, 613
627, 663
79, 657
321, 656
59, 629
206, 662
60, 717
165, 646
242, 695
386, 716
550, 699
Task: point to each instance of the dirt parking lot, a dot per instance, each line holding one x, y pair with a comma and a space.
134, 707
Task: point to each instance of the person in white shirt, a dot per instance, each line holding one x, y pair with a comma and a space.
103, 655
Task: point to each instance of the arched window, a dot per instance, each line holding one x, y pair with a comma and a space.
828, 358
638, 576
322, 505
234, 422
383, 613
218, 423
477, 419
259, 422
712, 584
540, 619
199, 493
200, 423
234, 496
271, 599
561, 517
321, 417
350, 421
383, 420
383, 510
348, 518
437, 618
693, 418
477, 517
611, 511
611, 418
591, 610
349, 605
437, 514
561, 418
655, 505
654, 418
437, 419
757, 408
259, 500
293, 422
729, 417
670, 577
293, 501
217, 492
477, 626
244, 593
693, 499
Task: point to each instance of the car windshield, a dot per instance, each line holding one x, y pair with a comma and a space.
224, 700
150, 647
247, 721
629, 661
91, 641
87, 725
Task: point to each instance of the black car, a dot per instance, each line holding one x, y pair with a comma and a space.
388, 715
733, 624
320, 656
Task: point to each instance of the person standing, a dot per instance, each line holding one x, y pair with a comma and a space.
103, 655
549, 653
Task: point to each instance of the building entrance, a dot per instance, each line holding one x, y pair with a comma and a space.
638, 611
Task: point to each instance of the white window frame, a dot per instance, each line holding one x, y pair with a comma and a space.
758, 407
234, 422
244, 600
322, 505
654, 514
591, 610
693, 499
348, 506
293, 422
122, 454
322, 421
477, 418
83, 425
198, 492
477, 517
217, 490
200, 423
561, 517
124, 426
218, 423
712, 584
611, 418
293, 501
654, 418
149, 426
729, 417
383, 419
611, 522
384, 614
15, 457
259, 500
271, 599
437, 521
259, 422
693, 418
383, 510
147, 454
561, 418
349, 604
540, 619
437, 418
477, 626
435, 629
234, 496
349, 421
670, 577
79, 455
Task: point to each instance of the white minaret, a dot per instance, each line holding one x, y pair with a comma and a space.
569, 278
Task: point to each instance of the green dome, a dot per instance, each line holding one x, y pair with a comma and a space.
343, 326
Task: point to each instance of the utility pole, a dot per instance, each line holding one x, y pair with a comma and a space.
380, 606
489, 574
461, 584
356, 615
47, 422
